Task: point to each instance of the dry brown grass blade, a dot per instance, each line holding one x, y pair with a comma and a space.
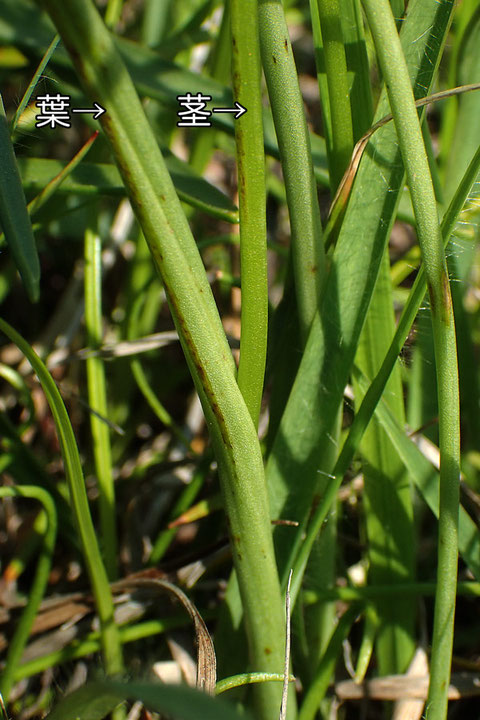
206, 659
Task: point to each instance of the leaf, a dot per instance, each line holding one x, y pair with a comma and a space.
426, 479
154, 77
96, 700
304, 441
14, 217
104, 179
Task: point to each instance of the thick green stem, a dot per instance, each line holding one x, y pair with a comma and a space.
341, 140
395, 72
246, 74
295, 153
176, 257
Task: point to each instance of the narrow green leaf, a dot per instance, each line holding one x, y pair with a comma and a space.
387, 495
36, 77
96, 700
104, 179
426, 478
14, 218
97, 398
303, 441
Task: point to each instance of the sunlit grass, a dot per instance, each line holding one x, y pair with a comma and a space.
301, 342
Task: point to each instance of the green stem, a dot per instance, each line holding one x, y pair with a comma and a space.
20, 637
176, 258
246, 74
395, 72
372, 592
97, 398
417, 293
295, 153
235, 681
341, 140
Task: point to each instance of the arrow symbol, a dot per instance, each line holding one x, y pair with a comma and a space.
239, 110
98, 110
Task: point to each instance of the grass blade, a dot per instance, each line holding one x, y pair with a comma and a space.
387, 493
303, 441
97, 399
78, 498
96, 700
203, 339
39, 584
14, 217
36, 77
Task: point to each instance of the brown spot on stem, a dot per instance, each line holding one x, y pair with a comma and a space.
274, 59
447, 298
442, 304
267, 651
431, 295
286, 44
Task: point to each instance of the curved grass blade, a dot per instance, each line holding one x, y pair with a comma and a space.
235, 681
78, 498
343, 191
206, 660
